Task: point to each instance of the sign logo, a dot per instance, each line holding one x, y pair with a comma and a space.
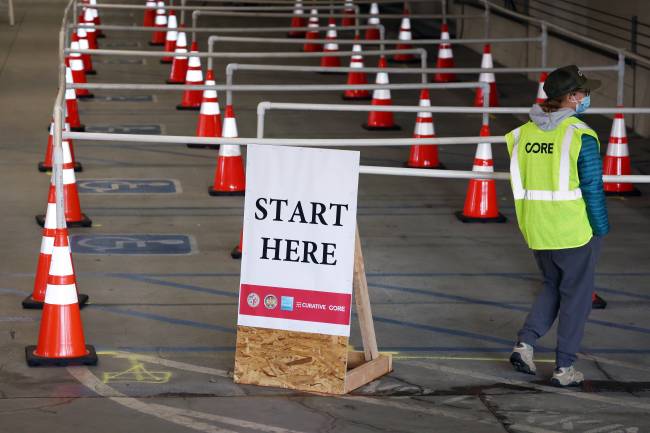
286, 303
253, 300
270, 302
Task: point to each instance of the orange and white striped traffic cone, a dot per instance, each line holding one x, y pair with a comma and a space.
445, 58
405, 38
348, 11
170, 37
617, 160
194, 76
356, 61
158, 37
210, 117
487, 77
297, 20
37, 298
331, 46
46, 164
481, 204
87, 20
72, 108
597, 303
381, 120
86, 58
61, 338
372, 34
309, 47
149, 14
541, 94
73, 215
97, 19
179, 63
424, 156
78, 69
236, 252
229, 178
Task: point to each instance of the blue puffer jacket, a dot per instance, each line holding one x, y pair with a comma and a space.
590, 172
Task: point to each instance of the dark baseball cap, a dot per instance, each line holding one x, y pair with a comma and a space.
567, 79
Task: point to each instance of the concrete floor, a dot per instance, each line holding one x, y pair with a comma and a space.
448, 298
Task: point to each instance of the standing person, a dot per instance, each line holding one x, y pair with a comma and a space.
556, 177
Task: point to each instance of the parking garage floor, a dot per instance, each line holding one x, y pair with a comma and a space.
447, 297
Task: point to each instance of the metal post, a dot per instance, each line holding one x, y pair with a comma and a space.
10, 6
544, 43
620, 88
183, 4
486, 30
443, 5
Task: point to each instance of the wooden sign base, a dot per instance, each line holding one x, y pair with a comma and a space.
313, 362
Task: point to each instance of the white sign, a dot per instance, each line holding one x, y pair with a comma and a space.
299, 231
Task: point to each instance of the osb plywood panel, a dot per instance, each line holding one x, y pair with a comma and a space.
294, 360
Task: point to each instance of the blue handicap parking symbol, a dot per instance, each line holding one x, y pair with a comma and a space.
126, 129
131, 244
128, 186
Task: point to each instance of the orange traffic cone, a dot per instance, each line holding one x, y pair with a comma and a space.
192, 98
229, 178
597, 303
312, 34
487, 77
86, 19
298, 20
348, 11
36, 299
46, 165
149, 14
445, 58
424, 156
72, 108
541, 94
331, 47
78, 69
381, 120
97, 19
356, 61
61, 339
372, 34
73, 215
158, 37
404, 36
617, 160
170, 37
481, 203
237, 251
83, 45
179, 64
209, 118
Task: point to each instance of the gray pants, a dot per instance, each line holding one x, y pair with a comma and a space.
568, 287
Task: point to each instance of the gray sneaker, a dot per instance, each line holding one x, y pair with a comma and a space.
522, 358
567, 376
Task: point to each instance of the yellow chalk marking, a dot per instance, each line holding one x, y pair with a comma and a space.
137, 373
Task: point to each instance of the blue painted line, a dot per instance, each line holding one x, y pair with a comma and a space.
165, 319
622, 292
191, 287
503, 305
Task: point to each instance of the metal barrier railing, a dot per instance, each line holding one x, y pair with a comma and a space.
265, 106
232, 67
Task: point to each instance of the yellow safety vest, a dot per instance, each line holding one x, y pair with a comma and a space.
544, 177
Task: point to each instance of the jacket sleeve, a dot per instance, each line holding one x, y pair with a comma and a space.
590, 173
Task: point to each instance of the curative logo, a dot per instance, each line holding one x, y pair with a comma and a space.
286, 303
253, 300
270, 302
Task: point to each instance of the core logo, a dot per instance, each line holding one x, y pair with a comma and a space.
539, 147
